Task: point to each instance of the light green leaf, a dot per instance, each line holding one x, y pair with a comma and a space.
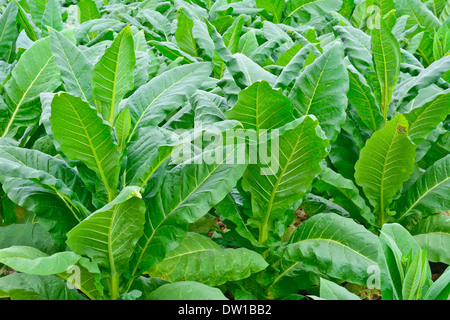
109, 235
35, 72
32, 261
332, 291
151, 103
433, 233
186, 290
321, 90
428, 194
287, 176
386, 59
385, 162
74, 66
112, 76
337, 246
260, 107
84, 136
200, 259
8, 29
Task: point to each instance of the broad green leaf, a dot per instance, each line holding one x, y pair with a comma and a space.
346, 194
386, 59
32, 261
290, 71
75, 68
260, 107
184, 36
357, 46
151, 103
222, 265
84, 136
287, 175
293, 276
424, 118
8, 29
30, 235
87, 10
20, 286
112, 76
203, 40
52, 16
361, 97
35, 72
45, 186
428, 194
418, 14
146, 152
248, 43
274, 7
301, 7
321, 90
386, 161
408, 90
187, 193
433, 233
337, 246
332, 291
186, 290
109, 235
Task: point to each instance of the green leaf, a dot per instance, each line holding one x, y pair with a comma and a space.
386, 59
8, 29
109, 235
35, 72
418, 14
30, 235
122, 127
112, 76
184, 36
332, 291
346, 194
20, 286
425, 117
46, 186
218, 265
385, 162
186, 290
274, 7
187, 193
428, 194
415, 276
84, 136
321, 90
260, 107
52, 16
357, 46
440, 290
151, 103
337, 246
146, 152
32, 261
433, 233
287, 176
74, 66
87, 10
361, 97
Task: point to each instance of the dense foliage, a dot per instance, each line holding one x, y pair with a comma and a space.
109, 111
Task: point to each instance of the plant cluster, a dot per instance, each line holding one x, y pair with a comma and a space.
113, 183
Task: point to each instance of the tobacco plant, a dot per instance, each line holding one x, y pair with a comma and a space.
110, 110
